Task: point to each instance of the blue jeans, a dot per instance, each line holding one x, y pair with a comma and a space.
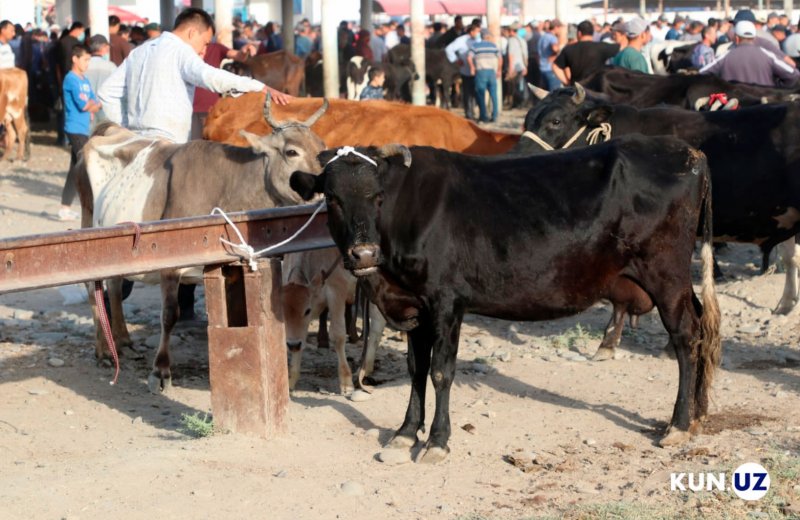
485, 79
551, 80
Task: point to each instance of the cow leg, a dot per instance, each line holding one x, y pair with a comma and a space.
683, 325
119, 329
446, 330
790, 254
350, 321
613, 335
420, 341
160, 379
11, 137
339, 338
294, 368
376, 325
22, 133
323, 340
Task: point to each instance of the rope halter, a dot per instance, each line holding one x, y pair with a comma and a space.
347, 150
594, 136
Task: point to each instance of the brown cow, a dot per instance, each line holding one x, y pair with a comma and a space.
347, 123
13, 99
280, 70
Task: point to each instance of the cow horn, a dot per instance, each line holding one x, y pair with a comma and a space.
268, 112
764, 100
540, 93
313, 119
580, 94
701, 103
392, 149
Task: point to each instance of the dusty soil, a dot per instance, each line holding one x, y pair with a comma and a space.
71, 446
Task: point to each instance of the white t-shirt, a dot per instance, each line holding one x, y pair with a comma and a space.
7, 57
659, 35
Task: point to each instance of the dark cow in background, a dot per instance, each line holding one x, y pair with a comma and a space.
280, 70
647, 90
433, 235
753, 154
438, 69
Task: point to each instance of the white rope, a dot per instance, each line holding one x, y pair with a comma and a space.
253, 254
604, 131
347, 150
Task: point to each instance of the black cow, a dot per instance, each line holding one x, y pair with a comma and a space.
522, 238
753, 155
437, 68
647, 90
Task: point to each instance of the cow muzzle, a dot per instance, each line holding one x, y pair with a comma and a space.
294, 346
364, 260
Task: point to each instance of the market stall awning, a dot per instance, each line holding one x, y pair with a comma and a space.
403, 7
123, 15
465, 6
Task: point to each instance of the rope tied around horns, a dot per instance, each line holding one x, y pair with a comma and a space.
600, 134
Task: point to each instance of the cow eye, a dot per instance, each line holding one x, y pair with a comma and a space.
556, 122
292, 153
308, 311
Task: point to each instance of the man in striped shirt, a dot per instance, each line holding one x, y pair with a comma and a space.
486, 64
748, 63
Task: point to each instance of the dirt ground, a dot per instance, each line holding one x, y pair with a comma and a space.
71, 446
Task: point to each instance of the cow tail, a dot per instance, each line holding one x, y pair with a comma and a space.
711, 346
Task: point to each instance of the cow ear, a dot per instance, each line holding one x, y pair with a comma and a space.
254, 141
307, 184
599, 114
325, 156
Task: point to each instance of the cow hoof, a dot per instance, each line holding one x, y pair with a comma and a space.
347, 389
399, 443
675, 438
432, 455
784, 308
603, 354
129, 352
105, 362
159, 384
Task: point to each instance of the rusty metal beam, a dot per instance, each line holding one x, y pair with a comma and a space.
40, 261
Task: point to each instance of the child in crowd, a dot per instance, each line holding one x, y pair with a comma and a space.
80, 106
374, 90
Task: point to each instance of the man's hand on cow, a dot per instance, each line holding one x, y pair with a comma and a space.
279, 97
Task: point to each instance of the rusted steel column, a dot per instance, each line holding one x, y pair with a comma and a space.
418, 50
247, 349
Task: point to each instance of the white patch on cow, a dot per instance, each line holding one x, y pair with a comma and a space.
120, 194
353, 89
788, 219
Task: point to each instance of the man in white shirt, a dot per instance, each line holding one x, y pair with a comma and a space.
7, 33
159, 76
660, 29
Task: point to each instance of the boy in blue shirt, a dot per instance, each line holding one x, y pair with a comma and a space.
374, 90
80, 106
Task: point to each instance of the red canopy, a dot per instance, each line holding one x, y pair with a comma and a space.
124, 16
403, 7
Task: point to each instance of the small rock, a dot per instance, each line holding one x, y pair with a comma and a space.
758, 514
737, 503
480, 367
55, 362
502, 355
51, 314
590, 442
486, 342
394, 457
360, 395
353, 489
756, 431
445, 508
751, 329
37, 391
373, 432
20, 314
281, 473
780, 394
586, 490
546, 358
490, 414
68, 412
577, 358
48, 338
692, 503
469, 428
138, 420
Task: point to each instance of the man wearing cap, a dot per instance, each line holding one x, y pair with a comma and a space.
631, 56
693, 33
677, 26
161, 75
120, 48
749, 63
582, 56
153, 31
791, 45
549, 47
746, 15
660, 29
779, 32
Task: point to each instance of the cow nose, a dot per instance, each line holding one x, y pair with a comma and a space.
294, 346
365, 256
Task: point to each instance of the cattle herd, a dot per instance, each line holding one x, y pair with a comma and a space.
434, 217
